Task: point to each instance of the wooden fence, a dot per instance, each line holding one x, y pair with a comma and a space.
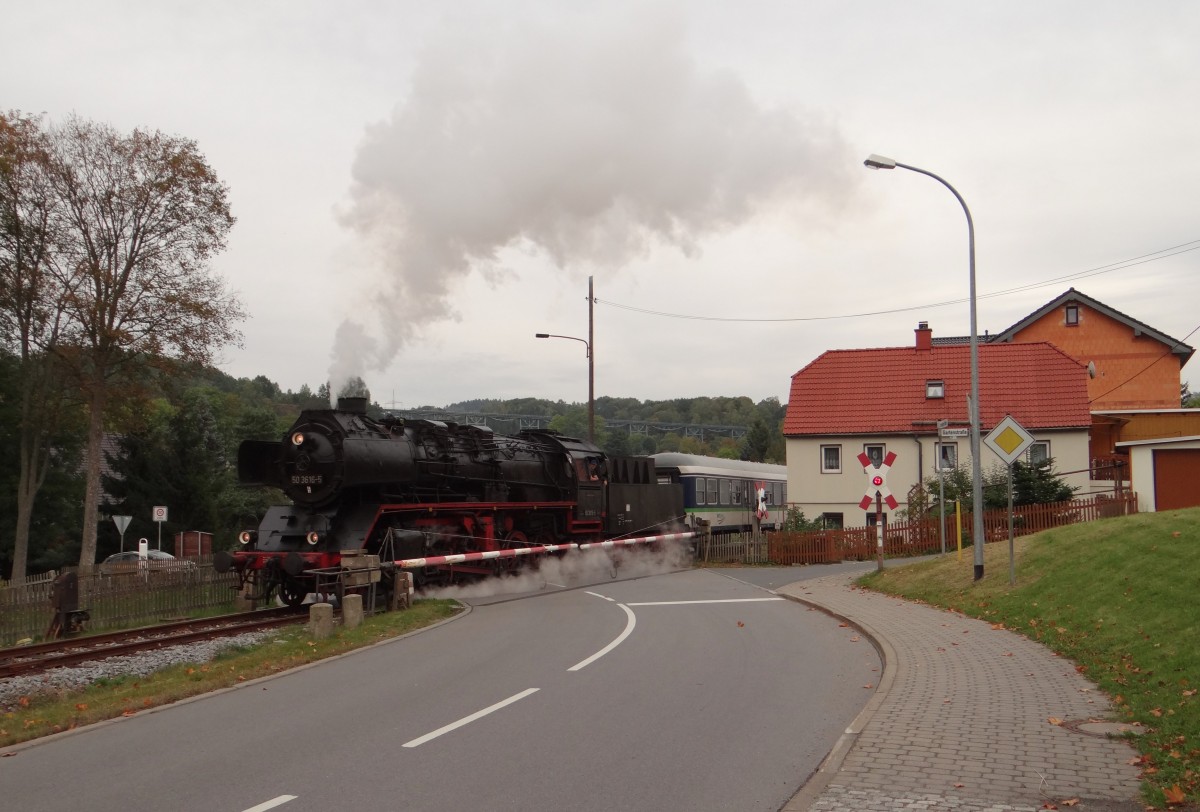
120, 600
900, 539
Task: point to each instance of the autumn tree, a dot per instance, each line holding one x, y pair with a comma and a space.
31, 310
141, 216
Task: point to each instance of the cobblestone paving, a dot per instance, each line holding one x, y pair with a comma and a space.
965, 719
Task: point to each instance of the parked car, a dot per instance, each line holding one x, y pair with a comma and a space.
156, 560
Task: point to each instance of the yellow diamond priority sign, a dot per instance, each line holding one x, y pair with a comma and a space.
1009, 440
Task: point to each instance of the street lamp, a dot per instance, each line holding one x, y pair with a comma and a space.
977, 540
591, 381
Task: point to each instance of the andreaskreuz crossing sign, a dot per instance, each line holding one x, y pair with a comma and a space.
877, 482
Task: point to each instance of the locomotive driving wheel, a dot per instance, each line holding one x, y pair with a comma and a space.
512, 539
292, 592
515, 538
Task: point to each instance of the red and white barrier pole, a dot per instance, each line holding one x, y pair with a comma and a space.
640, 540
414, 563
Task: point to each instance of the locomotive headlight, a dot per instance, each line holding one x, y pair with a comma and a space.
298, 439
314, 537
248, 536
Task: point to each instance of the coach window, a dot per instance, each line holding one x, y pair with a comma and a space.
831, 459
712, 492
1039, 453
735, 491
780, 493
946, 456
699, 483
875, 453
724, 497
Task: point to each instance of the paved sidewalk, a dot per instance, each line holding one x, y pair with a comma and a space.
960, 720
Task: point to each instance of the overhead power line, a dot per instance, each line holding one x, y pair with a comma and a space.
1154, 256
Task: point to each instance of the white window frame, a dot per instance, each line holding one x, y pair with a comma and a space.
935, 390
882, 452
714, 492
830, 469
1039, 444
701, 489
937, 456
1071, 315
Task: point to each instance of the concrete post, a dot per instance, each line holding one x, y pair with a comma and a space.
402, 590
352, 611
320, 620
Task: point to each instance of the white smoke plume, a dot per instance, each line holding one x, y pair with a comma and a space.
576, 568
588, 140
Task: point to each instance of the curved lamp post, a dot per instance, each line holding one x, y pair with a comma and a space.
591, 381
977, 539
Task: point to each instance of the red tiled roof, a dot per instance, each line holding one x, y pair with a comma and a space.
882, 391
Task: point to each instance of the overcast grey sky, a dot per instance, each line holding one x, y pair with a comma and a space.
420, 187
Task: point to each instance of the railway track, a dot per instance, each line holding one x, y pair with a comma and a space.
39, 657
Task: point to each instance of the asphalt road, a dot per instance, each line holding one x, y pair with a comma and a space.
696, 690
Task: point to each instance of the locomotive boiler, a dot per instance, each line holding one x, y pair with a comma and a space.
404, 489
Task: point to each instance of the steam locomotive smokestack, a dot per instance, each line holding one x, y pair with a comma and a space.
590, 140
354, 405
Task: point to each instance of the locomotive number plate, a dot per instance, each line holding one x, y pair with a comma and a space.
307, 479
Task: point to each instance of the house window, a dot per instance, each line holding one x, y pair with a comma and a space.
875, 453
935, 389
831, 459
1071, 315
871, 518
832, 521
946, 456
1039, 453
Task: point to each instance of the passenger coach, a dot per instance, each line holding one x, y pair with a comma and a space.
727, 494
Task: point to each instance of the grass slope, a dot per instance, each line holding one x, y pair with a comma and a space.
1117, 596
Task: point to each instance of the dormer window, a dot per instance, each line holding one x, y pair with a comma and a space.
935, 389
1071, 315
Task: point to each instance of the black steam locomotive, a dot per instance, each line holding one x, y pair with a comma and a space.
406, 489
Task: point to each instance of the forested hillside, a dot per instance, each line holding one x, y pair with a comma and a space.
172, 440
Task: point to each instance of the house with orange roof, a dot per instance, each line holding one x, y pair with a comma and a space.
1133, 366
890, 400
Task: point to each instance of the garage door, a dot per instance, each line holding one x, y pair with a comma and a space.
1175, 482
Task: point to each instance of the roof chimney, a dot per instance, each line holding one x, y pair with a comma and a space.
924, 336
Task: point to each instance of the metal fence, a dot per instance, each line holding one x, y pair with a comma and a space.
122, 599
